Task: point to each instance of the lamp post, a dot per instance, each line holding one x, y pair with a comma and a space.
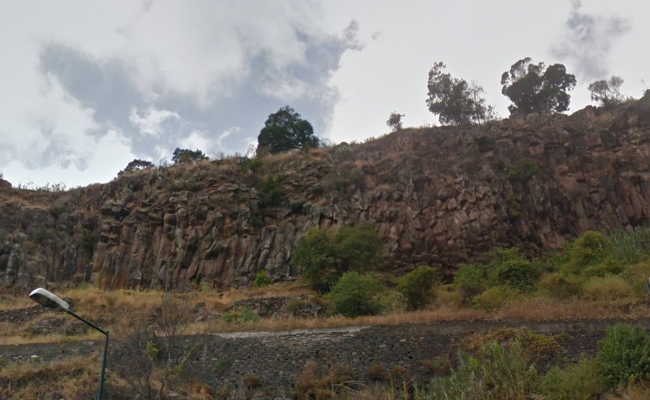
50, 300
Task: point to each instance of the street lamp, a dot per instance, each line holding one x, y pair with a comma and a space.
50, 300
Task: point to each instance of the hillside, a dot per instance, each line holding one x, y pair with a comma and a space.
437, 196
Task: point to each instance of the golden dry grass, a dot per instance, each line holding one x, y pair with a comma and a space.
71, 378
117, 310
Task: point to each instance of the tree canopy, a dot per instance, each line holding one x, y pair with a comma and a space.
136, 165
455, 101
394, 121
607, 92
536, 88
185, 155
285, 130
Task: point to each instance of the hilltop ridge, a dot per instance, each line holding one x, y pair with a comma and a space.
437, 196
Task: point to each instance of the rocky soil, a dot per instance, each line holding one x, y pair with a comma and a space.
275, 358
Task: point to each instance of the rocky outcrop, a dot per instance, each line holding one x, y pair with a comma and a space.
437, 196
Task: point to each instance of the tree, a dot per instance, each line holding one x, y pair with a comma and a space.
454, 100
535, 88
607, 92
285, 130
395, 121
185, 155
136, 165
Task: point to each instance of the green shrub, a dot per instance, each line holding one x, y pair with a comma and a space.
417, 286
495, 297
630, 247
499, 372
609, 287
356, 294
262, 278
316, 255
590, 248
624, 355
325, 255
471, 279
509, 267
392, 301
637, 276
610, 266
358, 247
579, 381
270, 192
559, 285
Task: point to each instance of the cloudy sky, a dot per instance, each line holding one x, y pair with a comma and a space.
87, 86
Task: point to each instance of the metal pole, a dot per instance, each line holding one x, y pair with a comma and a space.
101, 380
100, 393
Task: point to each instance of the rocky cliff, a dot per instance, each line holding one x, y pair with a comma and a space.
437, 196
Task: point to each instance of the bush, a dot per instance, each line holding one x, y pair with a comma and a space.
637, 276
495, 297
579, 381
624, 355
471, 279
392, 301
630, 247
589, 249
417, 285
355, 294
609, 287
325, 255
559, 285
509, 268
262, 278
316, 255
499, 372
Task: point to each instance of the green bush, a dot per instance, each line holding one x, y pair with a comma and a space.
637, 276
509, 267
589, 249
499, 372
417, 286
471, 279
559, 285
356, 294
630, 247
325, 255
316, 255
270, 192
624, 355
392, 301
262, 278
608, 287
579, 381
495, 297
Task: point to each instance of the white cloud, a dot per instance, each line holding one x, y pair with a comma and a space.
150, 121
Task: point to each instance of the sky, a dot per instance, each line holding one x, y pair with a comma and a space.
87, 86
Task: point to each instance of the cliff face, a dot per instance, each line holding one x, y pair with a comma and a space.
437, 196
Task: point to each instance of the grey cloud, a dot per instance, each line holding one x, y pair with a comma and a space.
588, 41
107, 86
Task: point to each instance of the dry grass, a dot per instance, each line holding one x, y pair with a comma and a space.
117, 310
71, 378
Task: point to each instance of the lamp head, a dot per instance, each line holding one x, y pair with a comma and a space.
48, 299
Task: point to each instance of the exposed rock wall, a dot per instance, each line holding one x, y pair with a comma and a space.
438, 196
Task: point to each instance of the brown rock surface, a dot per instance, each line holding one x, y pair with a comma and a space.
438, 196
